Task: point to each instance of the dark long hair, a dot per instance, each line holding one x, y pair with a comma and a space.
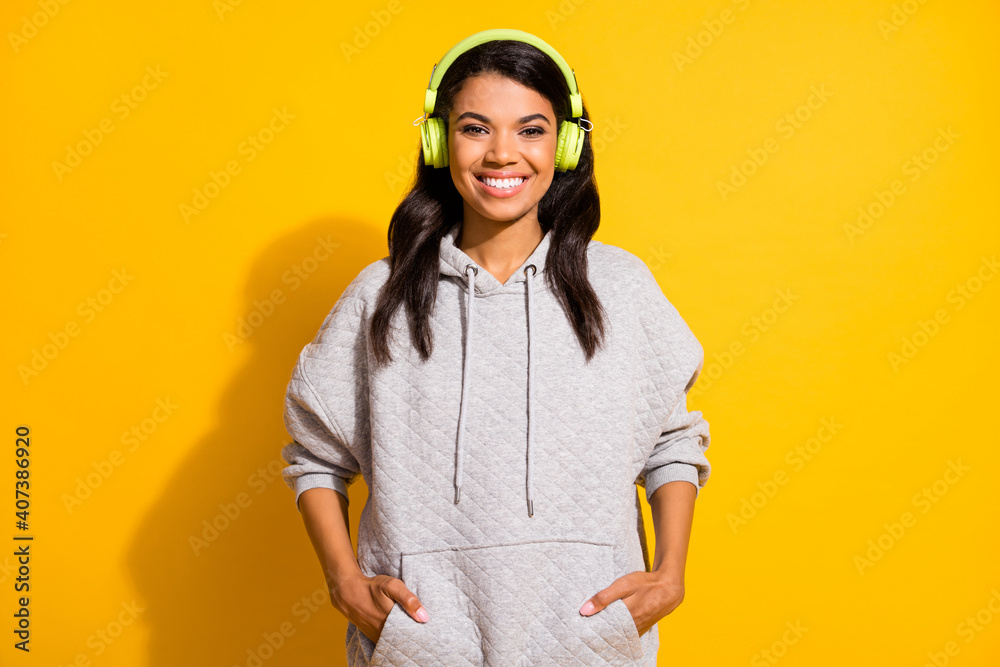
570, 211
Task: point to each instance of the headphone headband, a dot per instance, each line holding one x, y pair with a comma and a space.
437, 73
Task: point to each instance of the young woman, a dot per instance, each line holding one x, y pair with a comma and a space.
502, 382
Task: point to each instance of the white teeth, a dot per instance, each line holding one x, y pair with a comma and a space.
502, 183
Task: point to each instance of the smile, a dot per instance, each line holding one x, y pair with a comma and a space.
502, 187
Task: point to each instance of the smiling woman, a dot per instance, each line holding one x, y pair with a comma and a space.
553, 357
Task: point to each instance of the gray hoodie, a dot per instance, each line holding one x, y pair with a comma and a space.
502, 471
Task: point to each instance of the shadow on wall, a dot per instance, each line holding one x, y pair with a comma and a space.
223, 562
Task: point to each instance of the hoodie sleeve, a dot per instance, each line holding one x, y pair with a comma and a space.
679, 452
324, 402
671, 359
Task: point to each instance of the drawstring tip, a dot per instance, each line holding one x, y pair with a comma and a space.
458, 492
531, 508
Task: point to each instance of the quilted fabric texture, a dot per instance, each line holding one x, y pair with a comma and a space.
503, 471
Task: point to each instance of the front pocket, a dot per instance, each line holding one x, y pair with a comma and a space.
510, 604
386, 640
619, 609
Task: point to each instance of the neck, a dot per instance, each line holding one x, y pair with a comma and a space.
499, 247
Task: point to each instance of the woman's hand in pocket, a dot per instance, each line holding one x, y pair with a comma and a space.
648, 596
367, 601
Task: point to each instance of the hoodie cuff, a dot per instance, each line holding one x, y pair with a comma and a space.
671, 472
319, 480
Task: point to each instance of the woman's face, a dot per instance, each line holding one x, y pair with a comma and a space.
499, 128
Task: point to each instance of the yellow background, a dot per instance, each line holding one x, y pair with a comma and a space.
667, 132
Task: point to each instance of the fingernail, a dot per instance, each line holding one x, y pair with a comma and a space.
587, 608
422, 615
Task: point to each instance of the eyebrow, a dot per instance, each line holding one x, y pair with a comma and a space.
523, 119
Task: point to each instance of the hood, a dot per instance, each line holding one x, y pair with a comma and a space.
454, 262
481, 283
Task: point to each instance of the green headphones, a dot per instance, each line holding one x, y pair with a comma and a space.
433, 136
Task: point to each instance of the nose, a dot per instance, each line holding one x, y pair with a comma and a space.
503, 148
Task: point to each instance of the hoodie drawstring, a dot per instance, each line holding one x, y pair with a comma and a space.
465, 378
531, 365
471, 271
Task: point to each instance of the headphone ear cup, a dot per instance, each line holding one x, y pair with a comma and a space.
561, 147
425, 144
434, 142
569, 146
574, 145
439, 140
